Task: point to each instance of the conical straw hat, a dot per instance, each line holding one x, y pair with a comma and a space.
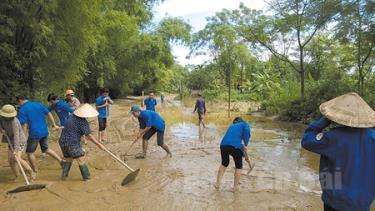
86, 111
350, 110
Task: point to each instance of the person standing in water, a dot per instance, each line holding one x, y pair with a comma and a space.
150, 102
72, 101
200, 107
102, 104
149, 123
61, 108
12, 131
34, 115
347, 153
70, 144
232, 145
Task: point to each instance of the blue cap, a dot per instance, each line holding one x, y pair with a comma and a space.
134, 109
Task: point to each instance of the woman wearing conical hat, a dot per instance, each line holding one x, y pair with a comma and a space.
13, 134
76, 127
347, 162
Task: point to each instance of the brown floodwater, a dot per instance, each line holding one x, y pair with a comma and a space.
284, 177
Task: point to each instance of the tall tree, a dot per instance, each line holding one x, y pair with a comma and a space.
291, 28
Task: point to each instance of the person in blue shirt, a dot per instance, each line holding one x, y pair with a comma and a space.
149, 123
200, 107
33, 114
61, 108
233, 144
347, 153
150, 102
102, 105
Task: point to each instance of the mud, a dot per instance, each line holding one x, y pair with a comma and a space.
284, 178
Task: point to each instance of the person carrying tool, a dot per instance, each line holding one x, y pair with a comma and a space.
150, 102
347, 152
200, 107
70, 140
34, 115
232, 144
12, 131
149, 123
72, 101
102, 105
61, 108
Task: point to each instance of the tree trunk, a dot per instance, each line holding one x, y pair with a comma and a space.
229, 89
302, 74
242, 70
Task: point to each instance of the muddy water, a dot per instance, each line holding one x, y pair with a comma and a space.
284, 177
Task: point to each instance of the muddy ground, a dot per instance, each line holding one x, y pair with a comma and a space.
284, 177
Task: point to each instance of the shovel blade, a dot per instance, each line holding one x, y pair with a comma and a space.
130, 177
27, 188
251, 168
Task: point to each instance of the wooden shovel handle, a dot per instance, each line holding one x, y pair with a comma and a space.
118, 159
18, 162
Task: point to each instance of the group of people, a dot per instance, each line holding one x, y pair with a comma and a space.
347, 148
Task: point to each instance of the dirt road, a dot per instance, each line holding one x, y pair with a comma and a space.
284, 177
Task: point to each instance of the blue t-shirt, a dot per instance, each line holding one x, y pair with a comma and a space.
62, 110
151, 119
150, 104
347, 161
102, 111
235, 134
34, 115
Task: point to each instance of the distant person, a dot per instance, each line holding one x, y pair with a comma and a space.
12, 131
200, 107
102, 104
76, 127
150, 123
34, 115
162, 97
61, 108
347, 153
150, 102
72, 101
232, 145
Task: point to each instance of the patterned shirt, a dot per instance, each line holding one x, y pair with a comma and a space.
74, 129
15, 133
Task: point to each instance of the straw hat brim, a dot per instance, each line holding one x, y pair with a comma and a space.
86, 111
8, 115
349, 110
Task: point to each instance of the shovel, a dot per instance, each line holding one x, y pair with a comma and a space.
131, 176
131, 146
28, 186
247, 158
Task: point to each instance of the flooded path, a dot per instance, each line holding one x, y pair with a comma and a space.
284, 177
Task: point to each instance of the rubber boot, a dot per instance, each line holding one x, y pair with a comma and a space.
84, 172
66, 168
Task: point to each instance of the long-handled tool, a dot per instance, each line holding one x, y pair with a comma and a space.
131, 176
127, 152
28, 186
247, 158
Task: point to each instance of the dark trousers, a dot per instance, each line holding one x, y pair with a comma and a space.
328, 208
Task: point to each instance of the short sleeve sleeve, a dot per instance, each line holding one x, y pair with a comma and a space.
44, 109
22, 116
67, 108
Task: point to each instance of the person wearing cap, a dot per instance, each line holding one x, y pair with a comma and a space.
72, 101
347, 152
200, 107
34, 115
150, 102
102, 104
150, 123
70, 140
13, 134
61, 108
231, 145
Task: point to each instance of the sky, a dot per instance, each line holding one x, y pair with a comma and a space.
195, 12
